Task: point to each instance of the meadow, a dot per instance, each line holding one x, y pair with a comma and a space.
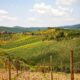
32, 50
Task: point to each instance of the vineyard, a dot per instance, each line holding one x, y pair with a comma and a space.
42, 72
52, 54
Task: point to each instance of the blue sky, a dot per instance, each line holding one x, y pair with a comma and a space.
43, 13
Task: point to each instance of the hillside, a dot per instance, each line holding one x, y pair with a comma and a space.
32, 49
17, 29
77, 26
33, 53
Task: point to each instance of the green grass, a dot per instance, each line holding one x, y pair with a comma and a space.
33, 53
21, 42
32, 50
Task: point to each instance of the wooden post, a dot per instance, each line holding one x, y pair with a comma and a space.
6, 65
61, 66
44, 65
71, 65
51, 68
79, 60
17, 64
9, 68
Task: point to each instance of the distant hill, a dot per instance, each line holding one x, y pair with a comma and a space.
23, 29
77, 26
20, 29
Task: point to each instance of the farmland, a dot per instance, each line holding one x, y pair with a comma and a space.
32, 50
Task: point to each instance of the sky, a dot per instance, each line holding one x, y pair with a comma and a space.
39, 13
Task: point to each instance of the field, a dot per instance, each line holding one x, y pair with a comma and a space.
37, 76
31, 52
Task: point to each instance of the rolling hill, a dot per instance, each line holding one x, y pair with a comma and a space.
76, 26
32, 49
17, 29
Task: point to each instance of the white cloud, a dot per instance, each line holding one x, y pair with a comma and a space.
63, 21
31, 19
65, 2
66, 19
4, 15
3, 12
58, 12
0, 19
42, 8
65, 9
53, 21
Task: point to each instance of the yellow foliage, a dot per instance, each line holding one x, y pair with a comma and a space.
2, 42
49, 31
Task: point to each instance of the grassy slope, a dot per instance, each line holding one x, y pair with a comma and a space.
21, 42
33, 53
33, 50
